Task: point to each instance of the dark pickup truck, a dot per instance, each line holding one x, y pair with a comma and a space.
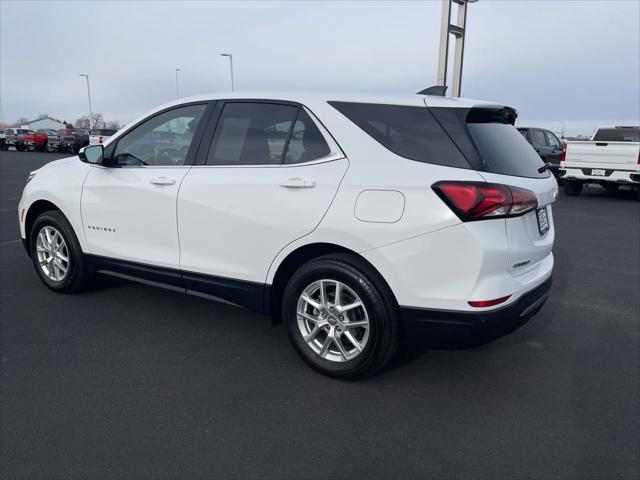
71, 141
547, 145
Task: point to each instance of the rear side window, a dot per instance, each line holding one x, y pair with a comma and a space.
538, 138
306, 143
617, 135
411, 132
251, 134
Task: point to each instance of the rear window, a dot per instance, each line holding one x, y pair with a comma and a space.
489, 140
617, 135
411, 132
505, 151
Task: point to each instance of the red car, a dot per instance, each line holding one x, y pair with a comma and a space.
38, 141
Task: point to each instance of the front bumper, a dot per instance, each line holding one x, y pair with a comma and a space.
510, 317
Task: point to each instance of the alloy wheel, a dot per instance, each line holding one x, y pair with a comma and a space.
333, 320
53, 254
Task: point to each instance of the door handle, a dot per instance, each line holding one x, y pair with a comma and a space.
163, 181
298, 183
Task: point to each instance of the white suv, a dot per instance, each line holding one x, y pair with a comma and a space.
354, 219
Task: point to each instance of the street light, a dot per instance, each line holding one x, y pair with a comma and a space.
177, 90
230, 65
89, 95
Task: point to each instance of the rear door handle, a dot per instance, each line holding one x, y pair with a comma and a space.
298, 183
163, 181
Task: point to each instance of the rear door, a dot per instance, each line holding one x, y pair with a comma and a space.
267, 178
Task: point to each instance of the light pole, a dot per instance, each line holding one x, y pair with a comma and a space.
89, 95
177, 90
459, 31
230, 65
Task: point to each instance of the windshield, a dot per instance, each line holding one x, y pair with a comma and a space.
617, 135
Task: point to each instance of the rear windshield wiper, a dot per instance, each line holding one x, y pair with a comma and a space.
544, 168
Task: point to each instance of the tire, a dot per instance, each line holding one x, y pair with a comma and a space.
20, 148
77, 274
44, 147
572, 187
378, 341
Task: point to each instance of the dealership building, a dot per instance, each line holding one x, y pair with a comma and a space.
45, 122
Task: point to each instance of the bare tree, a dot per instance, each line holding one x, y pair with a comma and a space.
43, 115
114, 125
22, 121
83, 122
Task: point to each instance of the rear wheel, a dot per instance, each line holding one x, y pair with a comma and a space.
56, 253
572, 187
340, 317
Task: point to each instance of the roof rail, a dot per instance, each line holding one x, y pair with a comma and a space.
437, 90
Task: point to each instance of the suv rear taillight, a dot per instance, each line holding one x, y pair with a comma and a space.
563, 155
472, 201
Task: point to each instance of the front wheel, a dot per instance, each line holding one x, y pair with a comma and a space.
572, 187
340, 317
56, 253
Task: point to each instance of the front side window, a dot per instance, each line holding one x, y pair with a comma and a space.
553, 140
163, 140
251, 134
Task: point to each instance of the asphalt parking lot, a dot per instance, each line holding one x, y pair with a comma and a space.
129, 381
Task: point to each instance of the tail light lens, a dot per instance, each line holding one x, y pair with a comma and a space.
100, 139
472, 201
564, 152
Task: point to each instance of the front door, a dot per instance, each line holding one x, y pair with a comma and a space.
129, 208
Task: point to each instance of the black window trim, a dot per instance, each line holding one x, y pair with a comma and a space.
335, 150
193, 148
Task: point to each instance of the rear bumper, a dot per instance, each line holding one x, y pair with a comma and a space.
418, 320
610, 175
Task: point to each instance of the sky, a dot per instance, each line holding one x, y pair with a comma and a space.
555, 61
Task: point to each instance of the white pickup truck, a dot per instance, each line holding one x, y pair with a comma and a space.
611, 159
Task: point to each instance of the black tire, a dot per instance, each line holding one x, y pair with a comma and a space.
381, 307
44, 147
572, 187
78, 275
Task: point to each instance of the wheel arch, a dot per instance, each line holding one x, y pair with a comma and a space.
296, 258
34, 211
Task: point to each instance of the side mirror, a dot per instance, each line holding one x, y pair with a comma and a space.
91, 154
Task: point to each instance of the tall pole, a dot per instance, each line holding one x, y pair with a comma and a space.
459, 30
177, 89
230, 65
89, 95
